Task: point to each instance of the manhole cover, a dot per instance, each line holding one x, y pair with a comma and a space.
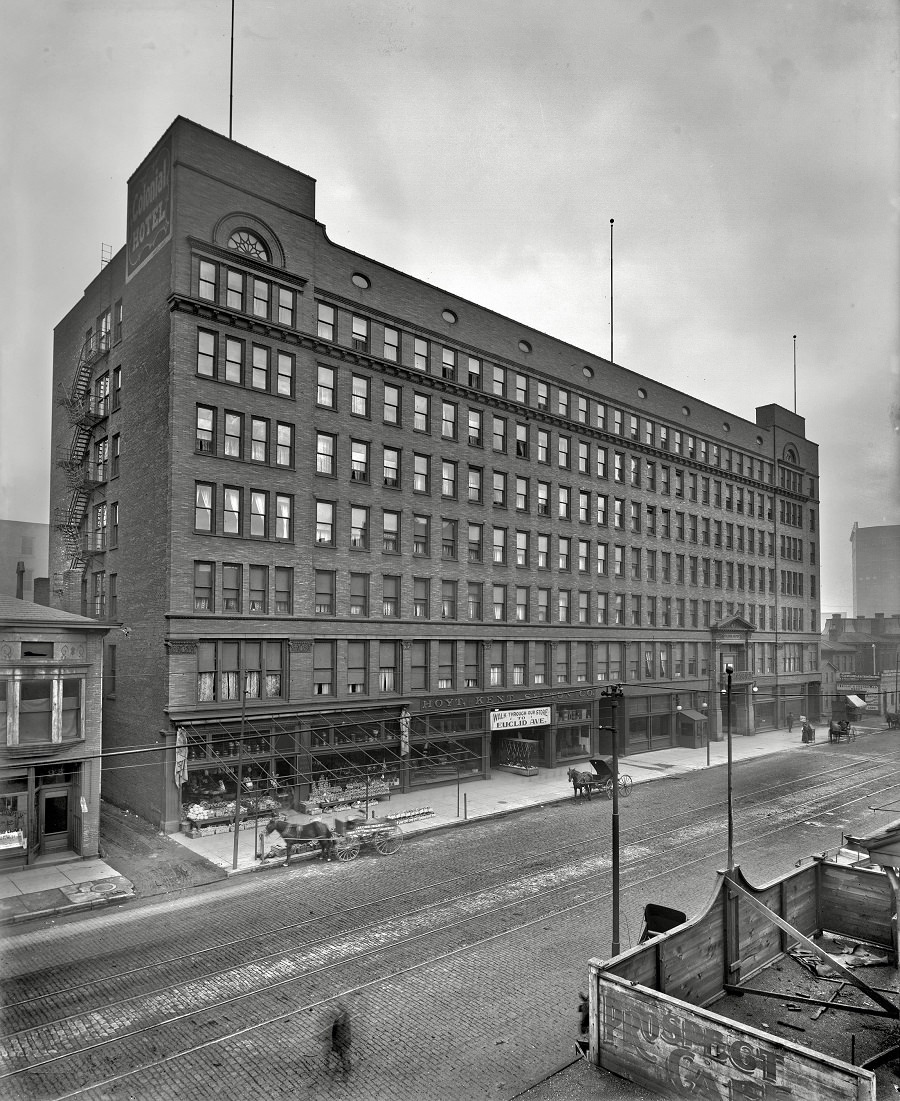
104, 888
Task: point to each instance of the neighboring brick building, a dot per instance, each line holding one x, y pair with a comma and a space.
352, 514
51, 666
876, 569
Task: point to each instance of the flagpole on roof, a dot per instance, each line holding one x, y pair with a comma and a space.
611, 289
231, 75
795, 372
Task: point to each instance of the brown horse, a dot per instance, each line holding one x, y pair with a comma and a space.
300, 837
582, 782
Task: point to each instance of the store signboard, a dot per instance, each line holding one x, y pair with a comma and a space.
523, 717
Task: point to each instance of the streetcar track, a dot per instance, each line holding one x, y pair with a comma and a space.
418, 966
578, 882
79, 989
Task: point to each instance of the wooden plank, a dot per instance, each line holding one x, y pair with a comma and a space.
680, 1050
845, 972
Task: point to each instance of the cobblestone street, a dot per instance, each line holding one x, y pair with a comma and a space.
459, 960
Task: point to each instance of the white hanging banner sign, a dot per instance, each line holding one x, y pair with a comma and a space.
524, 717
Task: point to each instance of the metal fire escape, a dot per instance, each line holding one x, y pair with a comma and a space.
82, 475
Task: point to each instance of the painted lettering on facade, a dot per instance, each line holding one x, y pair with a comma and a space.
149, 209
442, 703
521, 717
688, 1056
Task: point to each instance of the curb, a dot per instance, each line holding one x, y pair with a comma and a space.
70, 908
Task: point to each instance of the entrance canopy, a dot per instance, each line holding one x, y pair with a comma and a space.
857, 702
694, 716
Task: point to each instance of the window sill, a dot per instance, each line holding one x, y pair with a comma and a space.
42, 749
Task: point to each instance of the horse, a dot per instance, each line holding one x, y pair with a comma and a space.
582, 782
298, 837
893, 719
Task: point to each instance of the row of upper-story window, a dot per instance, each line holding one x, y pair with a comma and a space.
245, 292
440, 360
230, 670
247, 513
41, 708
227, 359
106, 331
637, 519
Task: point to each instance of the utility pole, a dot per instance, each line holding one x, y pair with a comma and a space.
614, 693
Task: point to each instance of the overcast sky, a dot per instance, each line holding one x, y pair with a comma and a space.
747, 149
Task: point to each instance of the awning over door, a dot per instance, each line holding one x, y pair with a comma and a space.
694, 716
857, 702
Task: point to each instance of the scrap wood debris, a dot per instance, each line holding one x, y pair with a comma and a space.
857, 956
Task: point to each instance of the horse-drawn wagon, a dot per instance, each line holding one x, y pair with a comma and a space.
840, 730
342, 843
601, 780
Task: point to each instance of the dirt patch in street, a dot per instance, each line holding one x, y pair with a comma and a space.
154, 863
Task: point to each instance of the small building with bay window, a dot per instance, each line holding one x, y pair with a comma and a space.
51, 669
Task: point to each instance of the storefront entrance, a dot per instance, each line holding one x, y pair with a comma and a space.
55, 819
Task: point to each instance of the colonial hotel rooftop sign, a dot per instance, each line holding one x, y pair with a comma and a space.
149, 208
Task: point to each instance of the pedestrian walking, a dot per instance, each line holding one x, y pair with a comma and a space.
340, 1042
790, 721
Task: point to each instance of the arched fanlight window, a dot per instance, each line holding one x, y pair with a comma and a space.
242, 240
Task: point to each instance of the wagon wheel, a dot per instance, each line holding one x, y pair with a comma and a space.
388, 842
625, 784
348, 848
607, 787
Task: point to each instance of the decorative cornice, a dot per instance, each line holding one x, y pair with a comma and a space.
181, 646
300, 645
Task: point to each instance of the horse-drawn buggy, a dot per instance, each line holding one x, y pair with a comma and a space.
343, 843
601, 780
840, 730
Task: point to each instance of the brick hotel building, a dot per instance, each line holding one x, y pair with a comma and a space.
394, 518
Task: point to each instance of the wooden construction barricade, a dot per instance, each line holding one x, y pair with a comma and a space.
648, 1015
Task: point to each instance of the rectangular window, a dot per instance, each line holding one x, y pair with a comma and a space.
284, 524
323, 668
260, 373
206, 427
325, 321
421, 597
259, 440
448, 420
325, 448
474, 372
259, 506
499, 544
446, 665
357, 668
499, 602
448, 479
390, 596
204, 586
421, 540
448, 539
522, 603
448, 600
207, 284
472, 665
261, 292
324, 523
499, 383
285, 306
325, 387
448, 363
421, 413
285, 378
522, 548
388, 667
359, 461
284, 446
499, 488
420, 354
499, 434
391, 348
231, 588
391, 532
391, 405
359, 396
234, 361
360, 334
259, 586
521, 494
234, 290
391, 467
206, 353
359, 528
475, 596
203, 506
324, 595
359, 594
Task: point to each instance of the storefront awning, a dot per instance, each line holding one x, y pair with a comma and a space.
857, 702
694, 716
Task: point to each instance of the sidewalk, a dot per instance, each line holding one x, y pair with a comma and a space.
51, 888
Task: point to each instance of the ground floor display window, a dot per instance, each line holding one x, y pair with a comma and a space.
14, 820
439, 760
764, 712
573, 733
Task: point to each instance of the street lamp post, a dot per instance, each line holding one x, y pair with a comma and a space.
240, 766
703, 708
726, 692
614, 693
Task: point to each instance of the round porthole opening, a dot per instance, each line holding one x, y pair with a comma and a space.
361, 281
524, 346
449, 316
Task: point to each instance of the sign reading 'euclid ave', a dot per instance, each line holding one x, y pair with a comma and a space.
524, 717
149, 208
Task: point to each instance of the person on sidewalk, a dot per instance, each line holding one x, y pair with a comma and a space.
790, 721
809, 734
